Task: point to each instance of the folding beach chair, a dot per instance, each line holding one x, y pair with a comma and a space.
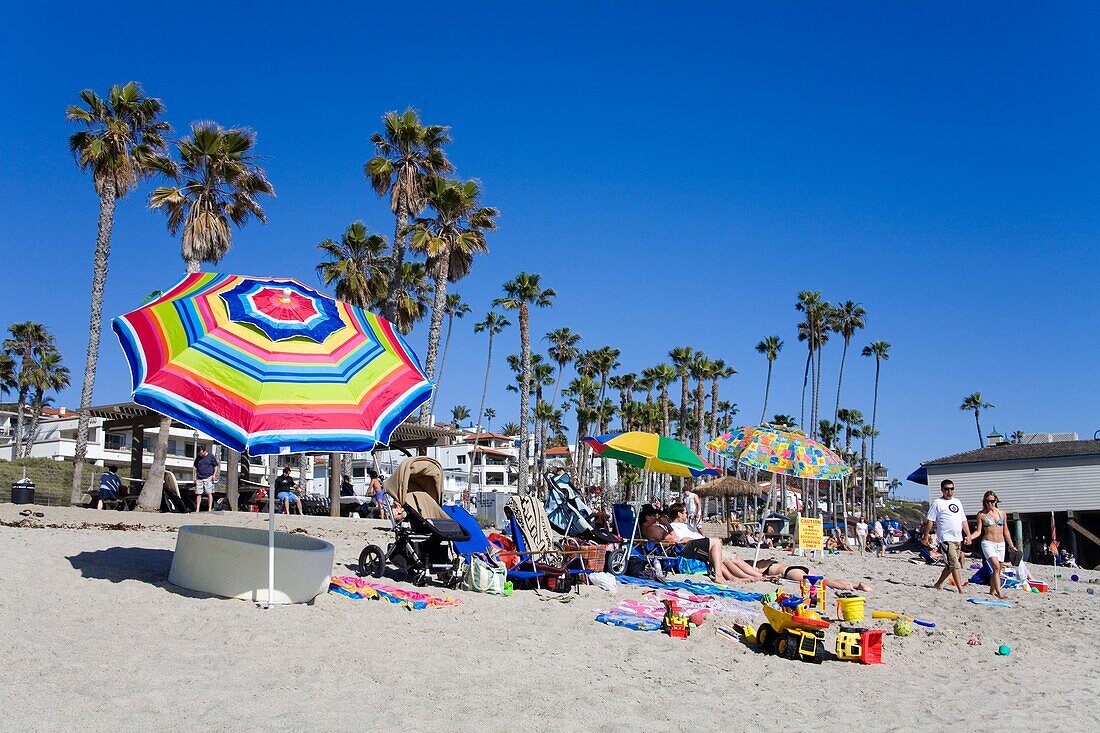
625, 521
533, 536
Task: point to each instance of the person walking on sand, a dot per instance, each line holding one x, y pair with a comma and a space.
207, 469
375, 489
949, 519
861, 535
995, 537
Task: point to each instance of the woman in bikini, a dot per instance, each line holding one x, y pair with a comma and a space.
776, 569
995, 537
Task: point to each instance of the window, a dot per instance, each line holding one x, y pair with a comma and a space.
148, 442
358, 471
494, 478
462, 460
114, 441
189, 449
173, 447
495, 460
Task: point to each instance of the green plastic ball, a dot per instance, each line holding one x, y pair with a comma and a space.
902, 627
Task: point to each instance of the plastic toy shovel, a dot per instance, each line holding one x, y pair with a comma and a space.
893, 616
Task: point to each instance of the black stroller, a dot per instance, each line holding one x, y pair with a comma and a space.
422, 541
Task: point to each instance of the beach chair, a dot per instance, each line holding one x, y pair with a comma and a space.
625, 521
533, 537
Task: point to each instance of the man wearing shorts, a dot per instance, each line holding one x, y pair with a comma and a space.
952, 531
206, 475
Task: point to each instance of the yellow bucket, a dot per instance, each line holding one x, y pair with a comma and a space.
850, 609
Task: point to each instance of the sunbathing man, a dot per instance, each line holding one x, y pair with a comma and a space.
776, 569
696, 546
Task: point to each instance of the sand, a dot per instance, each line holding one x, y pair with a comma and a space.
93, 637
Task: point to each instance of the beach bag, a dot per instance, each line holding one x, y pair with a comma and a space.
482, 576
637, 567
506, 549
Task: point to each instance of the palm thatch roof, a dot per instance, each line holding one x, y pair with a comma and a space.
728, 486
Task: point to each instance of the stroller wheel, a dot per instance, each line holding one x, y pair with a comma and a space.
421, 578
617, 561
372, 561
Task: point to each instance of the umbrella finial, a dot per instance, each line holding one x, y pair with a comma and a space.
286, 295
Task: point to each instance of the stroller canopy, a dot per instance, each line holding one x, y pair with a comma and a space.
418, 483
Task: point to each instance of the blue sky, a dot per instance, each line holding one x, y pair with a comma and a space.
676, 173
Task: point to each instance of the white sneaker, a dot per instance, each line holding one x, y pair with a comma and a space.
658, 569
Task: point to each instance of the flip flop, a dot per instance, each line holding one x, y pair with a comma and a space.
29, 513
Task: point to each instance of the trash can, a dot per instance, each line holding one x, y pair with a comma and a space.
22, 491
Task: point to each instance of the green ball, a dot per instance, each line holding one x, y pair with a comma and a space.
1004, 651
902, 627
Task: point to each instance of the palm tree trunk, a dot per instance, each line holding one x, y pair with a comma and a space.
233, 479
681, 429
435, 331
874, 418
557, 385
36, 414
95, 324
20, 411
713, 409
767, 389
524, 394
840, 380
442, 360
398, 258
805, 381
817, 394
978, 424
334, 471
152, 489
699, 416
481, 412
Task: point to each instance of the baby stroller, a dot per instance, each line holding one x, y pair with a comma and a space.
422, 542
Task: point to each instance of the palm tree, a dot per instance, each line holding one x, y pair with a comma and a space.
509, 429
845, 319
664, 375
7, 374
47, 375
520, 294
414, 294
583, 391
770, 348
681, 361
493, 324
720, 370
490, 413
699, 368
977, 403
124, 142
455, 308
625, 383
407, 155
1017, 436
783, 421
450, 239
459, 413
880, 350
812, 331
563, 350
222, 184
357, 264
28, 343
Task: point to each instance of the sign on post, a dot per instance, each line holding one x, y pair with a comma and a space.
811, 533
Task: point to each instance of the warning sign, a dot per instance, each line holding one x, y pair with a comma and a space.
811, 534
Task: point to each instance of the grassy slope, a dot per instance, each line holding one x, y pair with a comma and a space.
52, 479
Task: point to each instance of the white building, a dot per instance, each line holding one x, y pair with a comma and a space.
1045, 473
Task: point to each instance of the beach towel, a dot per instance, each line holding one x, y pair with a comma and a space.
693, 586
361, 589
532, 520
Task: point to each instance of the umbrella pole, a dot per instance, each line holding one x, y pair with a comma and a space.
760, 532
271, 543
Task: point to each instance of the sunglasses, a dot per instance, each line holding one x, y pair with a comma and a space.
948, 488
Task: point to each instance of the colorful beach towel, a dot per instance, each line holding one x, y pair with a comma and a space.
361, 589
693, 586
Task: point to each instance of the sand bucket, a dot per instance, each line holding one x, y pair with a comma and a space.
850, 609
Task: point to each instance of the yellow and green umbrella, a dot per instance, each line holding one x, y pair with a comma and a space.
652, 452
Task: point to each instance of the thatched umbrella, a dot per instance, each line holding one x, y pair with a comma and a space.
726, 487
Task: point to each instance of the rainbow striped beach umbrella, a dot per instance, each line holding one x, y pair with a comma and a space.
271, 365
780, 450
652, 452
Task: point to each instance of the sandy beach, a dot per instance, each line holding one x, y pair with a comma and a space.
93, 636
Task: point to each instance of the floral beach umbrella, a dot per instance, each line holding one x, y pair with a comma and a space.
652, 452
271, 365
780, 450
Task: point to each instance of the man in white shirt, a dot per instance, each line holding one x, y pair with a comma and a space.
947, 515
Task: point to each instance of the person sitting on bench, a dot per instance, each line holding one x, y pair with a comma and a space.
284, 491
109, 486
